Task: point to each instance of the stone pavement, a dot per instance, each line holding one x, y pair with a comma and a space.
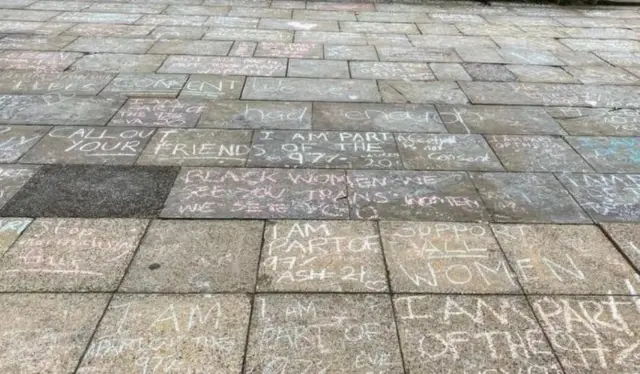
281, 187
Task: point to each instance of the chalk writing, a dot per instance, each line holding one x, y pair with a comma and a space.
257, 114
16, 140
211, 87
159, 113
12, 178
224, 65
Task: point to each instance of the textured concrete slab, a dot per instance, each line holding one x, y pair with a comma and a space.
306, 89
419, 54
257, 114
322, 256
489, 72
251, 35
109, 45
288, 24
421, 92
159, 85
289, 50
93, 192
224, 66
449, 71
609, 154
602, 75
257, 193
16, 140
212, 87
318, 69
12, 179
27, 82
183, 33
10, 230
350, 52
45, 62
231, 22
111, 30
627, 238
35, 43
346, 330
598, 121
391, 70
119, 63
159, 113
536, 73
192, 47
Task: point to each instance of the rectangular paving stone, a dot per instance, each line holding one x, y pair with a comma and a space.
523, 56
240, 11
89, 145
197, 10
564, 259
257, 114
224, 65
221, 256
449, 71
376, 117
316, 149
93, 17
252, 35
379, 16
349, 332
602, 75
327, 37
602, 325
38, 61
599, 33
321, 256
323, 15
232, 22
527, 197
53, 327
171, 20
421, 92
257, 193
120, 63
289, 50
350, 52
318, 69
93, 191
10, 230
446, 152
207, 332
163, 85
458, 18
177, 32
212, 87
408, 71
620, 58
61, 255
602, 45
109, 45
109, 30
57, 109
451, 41
422, 196
609, 154
591, 22
378, 27
533, 43
480, 55
572, 58
159, 113
477, 29
306, 89
627, 238
598, 121
489, 72
399, 40
127, 8
445, 257
13, 178
30, 82
353, 6
16, 140
420, 54
432, 28
532, 73
197, 147
490, 333
35, 43
27, 15
191, 47
289, 24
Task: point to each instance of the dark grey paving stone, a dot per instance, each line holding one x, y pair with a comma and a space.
446, 152
376, 117
119, 63
598, 121
197, 147
331, 149
212, 87
531, 198
605, 324
486, 330
93, 191
609, 154
224, 66
27, 82
409, 71
54, 327
627, 237
159, 113
417, 54
289, 50
16, 140
10, 230
46, 62
12, 179
257, 114
307, 89
348, 331
445, 257
489, 72
191, 47
71, 255
57, 109
536, 153
350, 52
89, 145
257, 193
196, 256
421, 92
422, 196
207, 333
318, 69
606, 197
163, 85
322, 256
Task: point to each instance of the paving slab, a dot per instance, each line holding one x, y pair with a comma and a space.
303, 68
609, 154
417, 54
93, 191
171, 20
486, 329
110, 30
240, 11
350, 52
159, 113
307, 14
232, 22
602, 75
376, 117
446, 152
598, 121
580, 58
257, 114
10, 230
127, 8
55, 328
35, 43
30, 82
257, 193
109, 45
480, 55
199, 333
321, 256
489, 72
627, 237
478, 29
191, 47
536, 73
97, 17
224, 66
449, 71
243, 49
431, 28
378, 27
527, 197
445, 257
603, 325
533, 43
221, 256
16, 140
408, 71
621, 58
196, 10
330, 149
529, 57
161, 85
39, 61
212, 87
13, 178
251, 35
181, 33
451, 41
289, 24
421, 92
422, 196
289, 50
602, 45
306, 89
345, 334
120, 63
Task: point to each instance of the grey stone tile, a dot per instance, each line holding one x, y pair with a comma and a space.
634, 70
598, 121
620, 58
449, 71
196, 256
260, 12
29, 82
544, 31
451, 41
249, 3
243, 49
318, 69
533, 43
376, 117
162, 85
408, 71
257, 114
89, 145
627, 238
19, 26
489, 72
54, 328
393, 17
197, 10
212, 87
16, 140
474, 29
421, 92
522, 20
591, 22
322, 256
433, 28
612, 45
457, 18
109, 45
602, 75
611, 12
10, 230
13, 178
350, 52
35, 43
600, 33
109, 30
37, 61
51, 194
527, 197
89, 17
120, 63
609, 154
59, 255
446, 152
57, 109
27, 15
394, 53
127, 8
348, 330
531, 73
564, 259
57, 5
445, 257
286, 4
257, 193
159, 113
289, 24
171, 20
177, 32
333, 6
191, 47
289, 50
480, 55
423, 196
399, 40
316, 149
224, 65
378, 27
252, 35
207, 332
306, 89
328, 37
323, 15
536, 153
426, 322
197, 147
232, 22
581, 58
